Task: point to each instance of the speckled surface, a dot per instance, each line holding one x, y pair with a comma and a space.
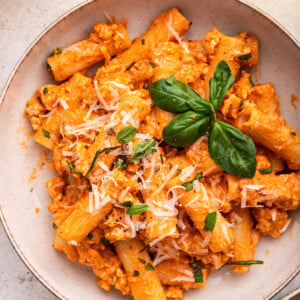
20, 23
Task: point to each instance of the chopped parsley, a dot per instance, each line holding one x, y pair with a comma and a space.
189, 184
45, 91
136, 273
292, 132
143, 41
142, 261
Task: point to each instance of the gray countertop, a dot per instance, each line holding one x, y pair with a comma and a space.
20, 23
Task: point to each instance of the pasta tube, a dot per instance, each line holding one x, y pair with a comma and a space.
142, 277
103, 42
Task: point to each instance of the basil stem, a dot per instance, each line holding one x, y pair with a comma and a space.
220, 83
126, 134
232, 150
246, 262
210, 221
186, 128
71, 167
96, 156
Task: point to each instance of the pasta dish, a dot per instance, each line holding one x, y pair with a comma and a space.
171, 162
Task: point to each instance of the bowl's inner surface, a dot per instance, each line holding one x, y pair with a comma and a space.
32, 233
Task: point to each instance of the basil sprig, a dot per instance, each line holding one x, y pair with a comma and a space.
228, 147
126, 134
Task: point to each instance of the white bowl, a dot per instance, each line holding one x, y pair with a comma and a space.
32, 233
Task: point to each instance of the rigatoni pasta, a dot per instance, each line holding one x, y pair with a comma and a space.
149, 196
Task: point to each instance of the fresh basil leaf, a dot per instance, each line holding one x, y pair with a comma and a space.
143, 146
189, 184
127, 204
96, 156
245, 56
136, 273
45, 91
126, 134
220, 83
46, 134
232, 150
140, 155
197, 270
137, 209
293, 133
265, 171
175, 96
186, 128
210, 221
149, 267
246, 262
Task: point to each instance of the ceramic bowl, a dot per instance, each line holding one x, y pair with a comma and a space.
32, 233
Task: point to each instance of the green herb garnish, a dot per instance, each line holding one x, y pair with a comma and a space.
245, 56
96, 156
189, 184
136, 273
71, 168
137, 209
161, 158
126, 134
178, 171
145, 248
228, 147
90, 236
210, 221
265, 171
149, 267
141, 260
246, 262
293, 133
45, 91
140, 155
46, 134
130, 66
122, 164
104, 241
127, 204
143, 42
197, 270
152, 64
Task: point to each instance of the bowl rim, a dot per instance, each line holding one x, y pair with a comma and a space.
266, 16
